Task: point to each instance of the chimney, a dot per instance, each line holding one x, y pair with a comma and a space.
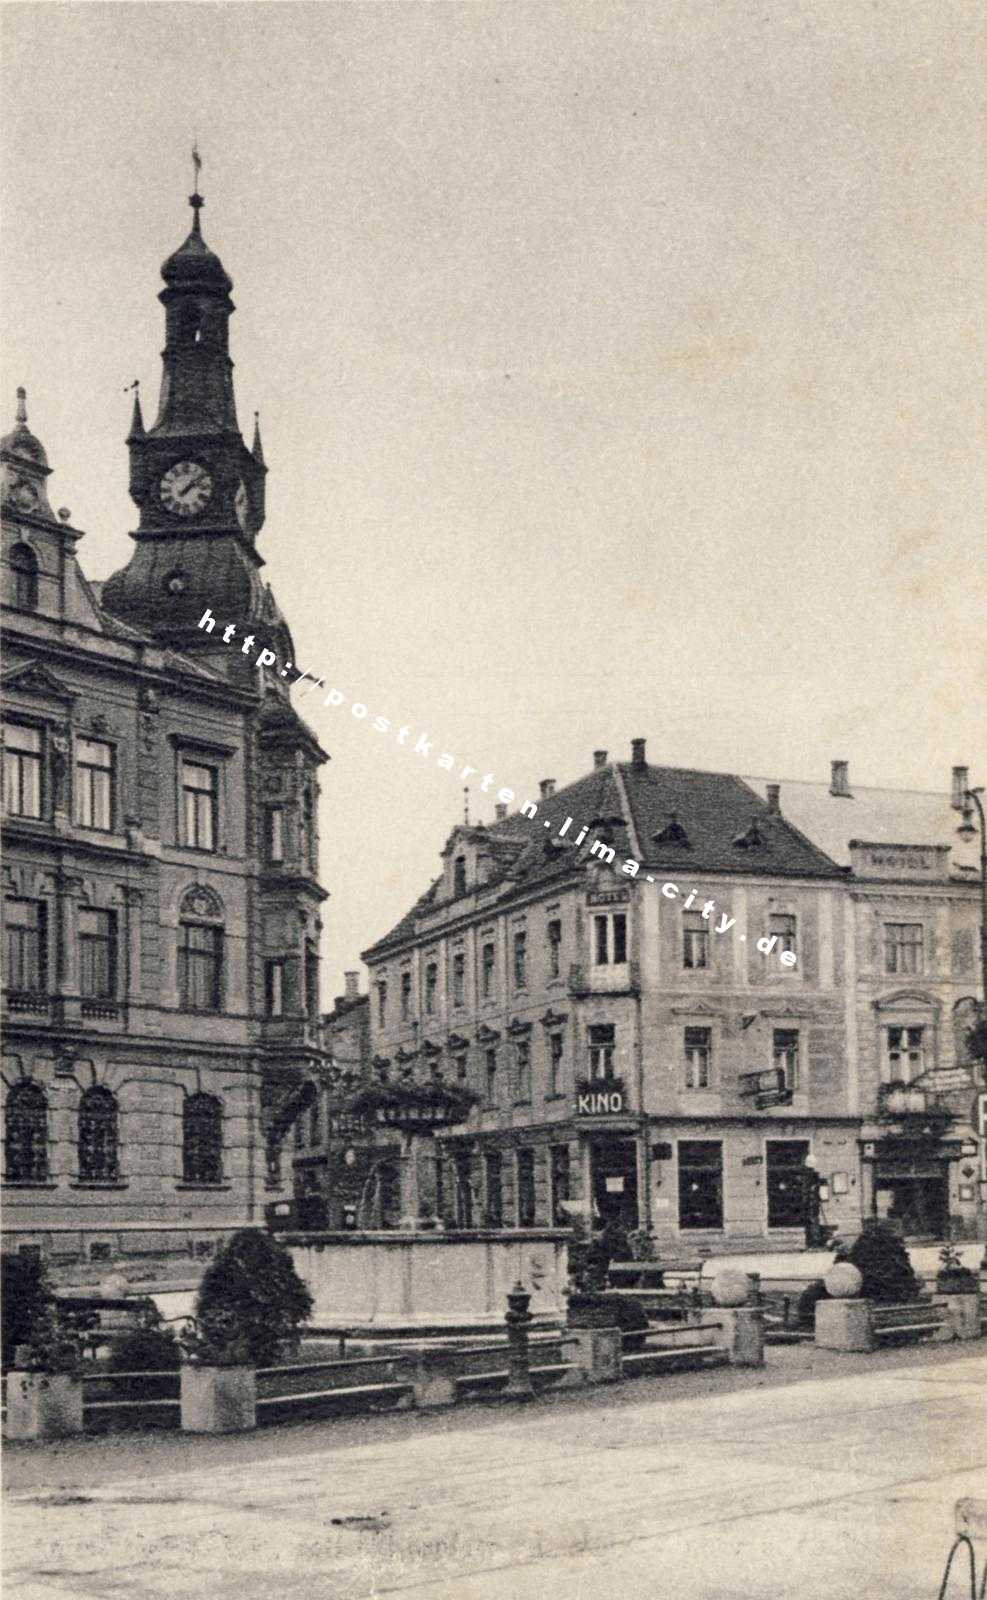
839, 783
352, 982
599, 758
961, 783
500, 811
638, 756
774, 799
546, 787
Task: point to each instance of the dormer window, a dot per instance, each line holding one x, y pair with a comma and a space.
459, 875
24, 567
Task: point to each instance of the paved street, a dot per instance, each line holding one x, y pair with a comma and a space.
823, 1477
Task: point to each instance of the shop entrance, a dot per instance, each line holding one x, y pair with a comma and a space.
917, 1200
613, 1166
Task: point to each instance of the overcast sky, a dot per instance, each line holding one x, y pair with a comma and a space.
620, 367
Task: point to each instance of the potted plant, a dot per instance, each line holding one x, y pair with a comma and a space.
248, 1312
953, 1277
44, 1387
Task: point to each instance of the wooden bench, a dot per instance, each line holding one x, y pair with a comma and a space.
919, 1319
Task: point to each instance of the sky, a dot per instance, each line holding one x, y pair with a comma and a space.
620, 368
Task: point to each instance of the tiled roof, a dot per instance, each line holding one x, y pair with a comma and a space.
714, 810
874, 816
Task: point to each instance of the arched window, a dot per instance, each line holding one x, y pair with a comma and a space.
202, 1139
459, 875
26, 1134
99, 1136
24, 566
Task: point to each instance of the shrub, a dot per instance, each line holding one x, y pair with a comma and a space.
880, 1256
611, 1311
953, 1277
27, 1296
807, 1301
250, 1306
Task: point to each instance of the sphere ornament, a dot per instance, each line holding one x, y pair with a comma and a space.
730, 1288
844, 1281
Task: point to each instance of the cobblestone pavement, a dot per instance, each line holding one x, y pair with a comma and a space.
823, 1476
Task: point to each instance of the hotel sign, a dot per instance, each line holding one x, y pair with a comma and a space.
899, 860
604, 1102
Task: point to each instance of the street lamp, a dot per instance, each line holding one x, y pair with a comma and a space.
966, 830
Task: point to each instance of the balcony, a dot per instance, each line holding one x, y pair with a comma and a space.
622, 979
912, 1106
29, 1001
766, 1088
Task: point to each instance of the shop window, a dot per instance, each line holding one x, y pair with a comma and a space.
695, 940
22, 770
526, 1188
493, 1172
93, 788
99, 1136
698, 1058
26, 1134
24, 930
700, 1184
601, 1050
610, 939
785, 1177
202, 1139
903, 943
97, 953
561, 1180
785, 1055
906, 1054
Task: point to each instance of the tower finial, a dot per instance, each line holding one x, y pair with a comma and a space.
466, 805
195, 199
21, 404
258, 448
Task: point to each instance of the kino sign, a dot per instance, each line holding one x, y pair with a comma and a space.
600, 1103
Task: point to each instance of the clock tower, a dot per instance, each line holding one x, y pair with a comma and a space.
198, 488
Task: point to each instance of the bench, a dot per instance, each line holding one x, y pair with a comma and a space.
920, 1319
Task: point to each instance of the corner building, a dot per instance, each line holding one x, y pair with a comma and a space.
629, 1059
161, 904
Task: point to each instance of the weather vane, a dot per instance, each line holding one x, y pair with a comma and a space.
466, 805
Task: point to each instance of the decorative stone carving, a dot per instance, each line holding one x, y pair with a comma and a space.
200, 901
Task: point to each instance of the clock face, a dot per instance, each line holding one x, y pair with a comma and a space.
185, 488
241, 504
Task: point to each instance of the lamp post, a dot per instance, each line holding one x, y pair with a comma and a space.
811, 1182
966, 830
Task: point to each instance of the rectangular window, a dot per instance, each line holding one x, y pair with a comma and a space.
785, 929
526, 1188
903, 947
487, 971
405, 996
698, 1057
312, 980
274, 988
22, 759
25, 940
459, 978
522, 1070
94, 784
200, 790
561, 1179
784, 1170
906, 1053
610, 939
700, 1183
97, 954
520, 958
490, 1061
601, 1048
314, 1121
556, 1052
785, 1054
554, 935
274, 834
200, 962
493, 1174
381, 1004
695, 940
431, 984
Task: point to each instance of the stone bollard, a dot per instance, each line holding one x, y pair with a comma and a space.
963, 1312
433, 1379
218, 1399
518, 1319
597, 1352
43, 1405
843, 1322
736, 1296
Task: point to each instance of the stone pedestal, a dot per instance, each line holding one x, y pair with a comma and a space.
433, 1378
43, 1405
963, 1311
844, 1325
742, 1333
598, 1352
218, 1399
